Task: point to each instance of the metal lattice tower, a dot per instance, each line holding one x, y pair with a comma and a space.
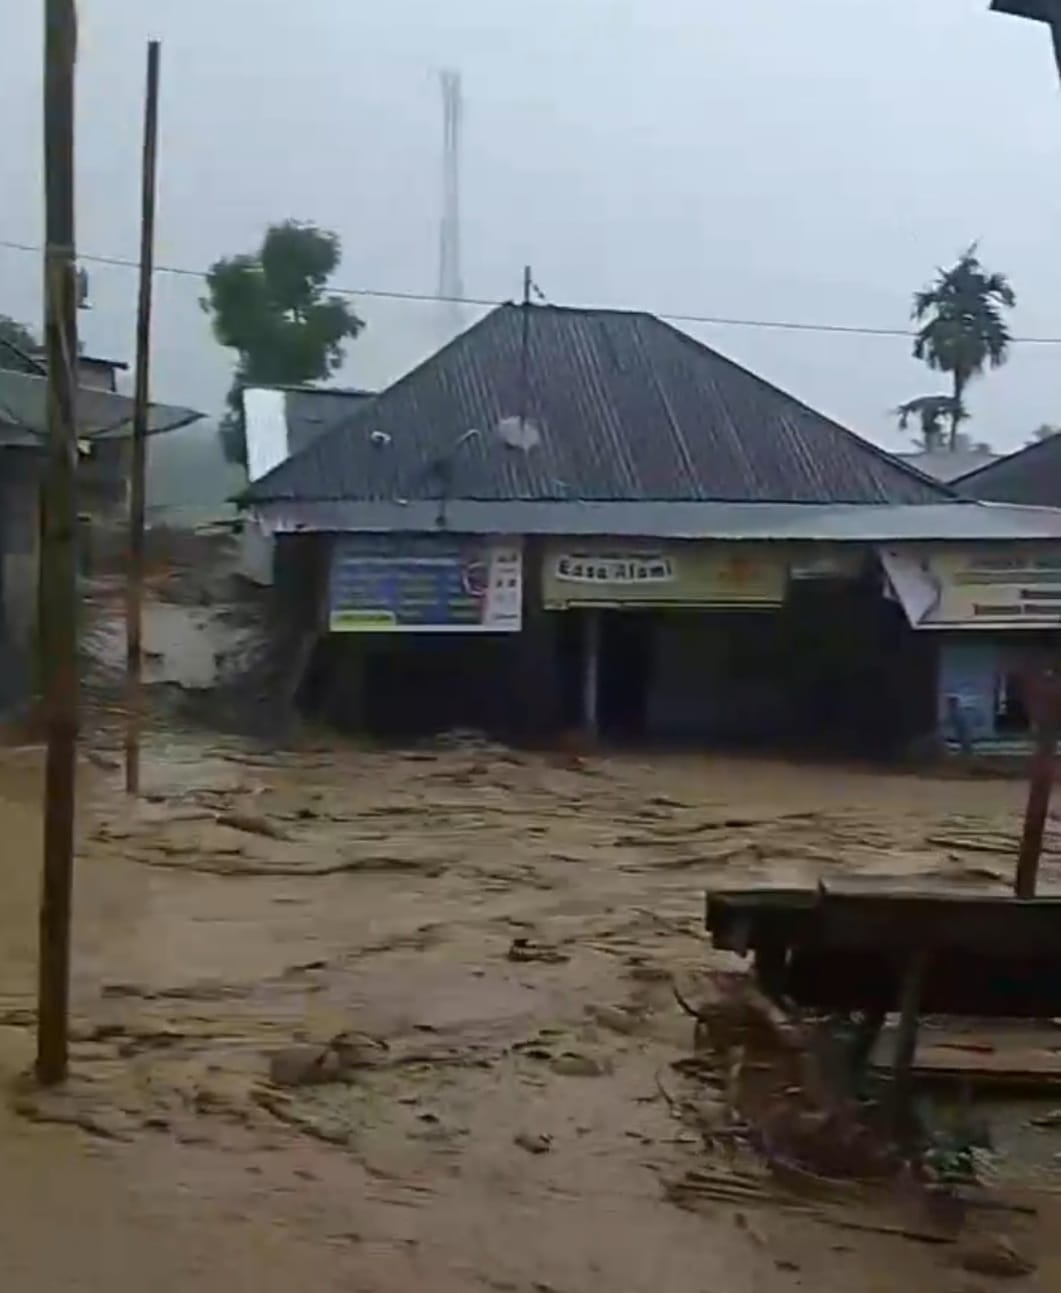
450, 283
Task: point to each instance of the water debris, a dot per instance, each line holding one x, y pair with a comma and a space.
579, 1064
533, 1143
336, 1061
617, 1019
253, 825
526, 950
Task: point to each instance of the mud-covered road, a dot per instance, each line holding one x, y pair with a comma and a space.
492, 937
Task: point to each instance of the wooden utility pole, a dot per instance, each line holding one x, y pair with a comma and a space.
58, 583
1043, 698
138, 476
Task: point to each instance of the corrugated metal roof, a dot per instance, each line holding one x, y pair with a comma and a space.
627, 408
101, 414
1031, 476
280, 421
311, 413
957, 522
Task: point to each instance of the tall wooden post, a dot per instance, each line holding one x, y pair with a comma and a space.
58, 584
138, 475
1043, 695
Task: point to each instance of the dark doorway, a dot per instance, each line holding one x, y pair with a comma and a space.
570, 667
413, 685
625, 673
860, 680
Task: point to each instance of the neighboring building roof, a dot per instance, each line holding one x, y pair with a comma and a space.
279, 421
101, 414
1042, 10
952, 521
118, 364
311, 411
948, 465
1048, 11
1031, 476
623, 407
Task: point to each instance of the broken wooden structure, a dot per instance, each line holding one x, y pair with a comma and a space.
872, 954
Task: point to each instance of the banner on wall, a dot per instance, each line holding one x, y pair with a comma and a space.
1015, 586
425, 584
587, 573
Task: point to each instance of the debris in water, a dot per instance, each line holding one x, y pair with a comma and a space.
526, 950
533, 1144
578, 1064
296, 1066
252, 825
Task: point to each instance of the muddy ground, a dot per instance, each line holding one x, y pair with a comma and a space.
492, 936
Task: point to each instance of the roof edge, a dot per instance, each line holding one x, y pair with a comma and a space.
1002, 460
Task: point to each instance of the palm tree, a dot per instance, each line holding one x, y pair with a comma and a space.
930, 410
963, 328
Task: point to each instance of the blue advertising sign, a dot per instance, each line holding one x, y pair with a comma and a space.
425, 584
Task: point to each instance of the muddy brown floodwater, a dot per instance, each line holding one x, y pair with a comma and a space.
494, 934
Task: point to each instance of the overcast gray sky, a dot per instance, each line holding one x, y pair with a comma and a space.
754, 158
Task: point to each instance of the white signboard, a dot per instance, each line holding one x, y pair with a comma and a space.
979, 586
622, 569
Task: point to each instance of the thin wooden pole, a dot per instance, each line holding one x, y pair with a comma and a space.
906, 1043
1044, 696
58, 586
138, 474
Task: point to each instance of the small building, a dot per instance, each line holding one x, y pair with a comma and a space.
93, 371
98, 374
279, 422
1030, 477
584, 517
104, 419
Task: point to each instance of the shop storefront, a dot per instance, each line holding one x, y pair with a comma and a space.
996, 609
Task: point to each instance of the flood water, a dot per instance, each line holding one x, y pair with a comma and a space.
500, 931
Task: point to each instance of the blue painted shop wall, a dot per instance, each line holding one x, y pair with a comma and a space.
969, 675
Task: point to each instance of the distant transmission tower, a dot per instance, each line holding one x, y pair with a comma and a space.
450, 283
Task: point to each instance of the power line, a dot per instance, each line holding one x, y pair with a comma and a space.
183, 271
393, 294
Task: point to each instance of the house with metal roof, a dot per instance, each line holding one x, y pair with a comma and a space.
104, 430
1030, 477
588, 517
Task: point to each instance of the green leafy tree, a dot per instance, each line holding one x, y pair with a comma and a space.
963, 326
18, 346
274, 310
